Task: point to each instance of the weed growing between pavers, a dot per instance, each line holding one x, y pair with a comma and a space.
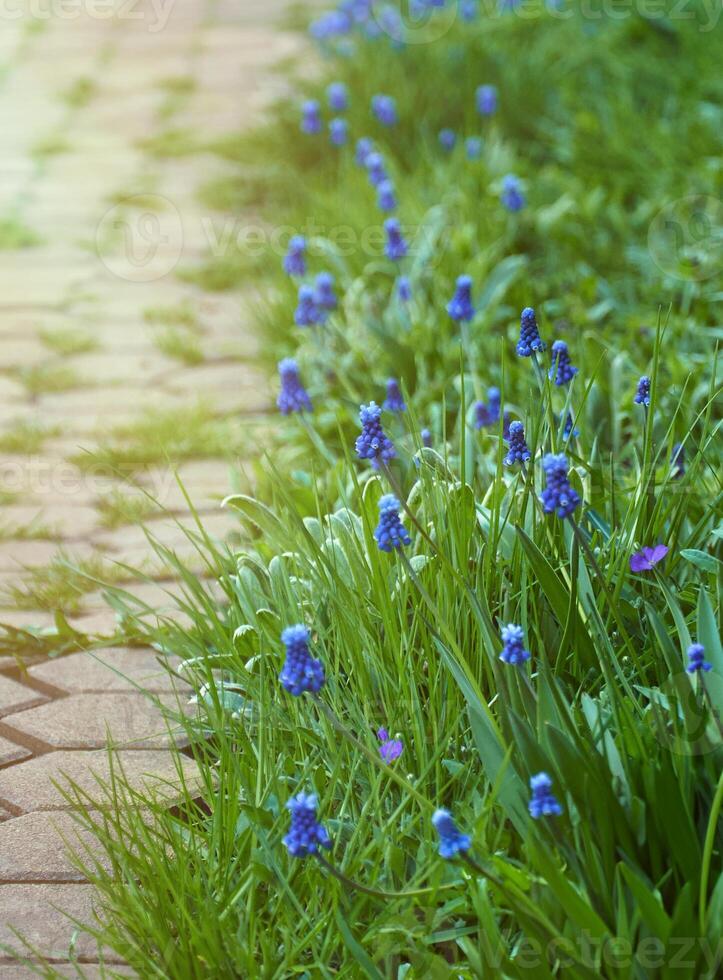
457, 647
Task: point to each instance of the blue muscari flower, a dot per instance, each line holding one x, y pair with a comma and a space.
333, 24
696, 659
543, 802
530, 341
513, 650
384, 108
373, 444
518, 451
338, 97
311, 117
451, 841
558, 496
570, 429
473, 146
375, 169
512, 197
561, 370
426, 437
324, 295
364, 147
338, 131
486, 100
642, 394
293, 397
447, 139
487, 414
386, 200
677, 460
390, 533
306, 834
295, 258
301, 672
404, 289
307, 313
468, 10
394, 401
460, 307
396, 247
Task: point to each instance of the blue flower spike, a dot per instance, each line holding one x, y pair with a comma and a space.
517, 451
394, 401
696, 659
295, 258
642, 392
390, 534
562, 370
530, 341
543, 803
396, 247
373, 443
293, 397
460, 307
301, 672
311, 117
558, 496
513, 650
451, 841
306, 835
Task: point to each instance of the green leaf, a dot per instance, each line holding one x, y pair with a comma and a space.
360, 955
708, 632
701, 559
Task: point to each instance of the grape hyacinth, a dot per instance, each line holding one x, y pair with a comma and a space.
486, 97
513, 650
473, 148
677, 460
293, 397
295, 258
558, 496
396, 247
404, 289
311, 117
391, 748
696, 659
386, 199
468, 10
306, 834
543, 802
460, 307
487, 414
338, 97
426, 437
394, 401
390, 533
338, 131
447, 139
562, 370
364, 147
642, 394
384, 108
375, 169
512, 197
301, 672
530, 342
518, 451
451, 841
373, 444
324, 295
569, 429
307, 313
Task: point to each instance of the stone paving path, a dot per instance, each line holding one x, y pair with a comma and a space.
102, 343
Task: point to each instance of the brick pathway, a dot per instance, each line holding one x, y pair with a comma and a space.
97, 332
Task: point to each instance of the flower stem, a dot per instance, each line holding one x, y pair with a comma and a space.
377, 892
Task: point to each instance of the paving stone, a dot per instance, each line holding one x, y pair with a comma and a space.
10, 752
84, 971
90, 721
35, 847
28, 786
115, 669
16, 697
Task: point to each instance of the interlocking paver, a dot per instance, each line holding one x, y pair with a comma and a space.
84, 971
90, 721
29, 785
37, 846
11, 752
115, 669
16, 697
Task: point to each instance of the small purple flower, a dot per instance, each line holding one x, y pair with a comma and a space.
384, 108
394, 401
696, 659
390, 533
311, 117
301, 672
447, 139
642, 394
373, 444
562, 369
307, 313
338, 131
558, 496
293, 397
364, 147
518, 451
512, 197
306, 835
460, 307
543, 802
324, 295
404, 289
473, 147
396, 247
391, 748
295, 258
647, 558
677, 460
386, 199
451, 841
375, 169
569, 429
486, 100
530, 342
338, 97
426, 437
513, 650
